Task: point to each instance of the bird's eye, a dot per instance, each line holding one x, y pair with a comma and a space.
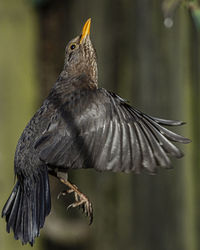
73, 46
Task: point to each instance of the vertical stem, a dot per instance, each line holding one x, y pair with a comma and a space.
17, 93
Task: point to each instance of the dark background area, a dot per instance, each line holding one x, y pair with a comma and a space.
149, 53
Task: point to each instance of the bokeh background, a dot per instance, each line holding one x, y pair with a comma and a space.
149, 53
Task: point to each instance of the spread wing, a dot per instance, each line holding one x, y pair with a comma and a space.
98, 129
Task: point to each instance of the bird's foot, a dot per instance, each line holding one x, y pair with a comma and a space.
81, 200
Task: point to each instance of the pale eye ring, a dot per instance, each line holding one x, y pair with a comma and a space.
73, 46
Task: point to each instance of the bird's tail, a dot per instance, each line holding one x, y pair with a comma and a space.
27, 207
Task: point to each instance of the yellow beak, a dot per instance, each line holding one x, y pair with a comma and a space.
85, 30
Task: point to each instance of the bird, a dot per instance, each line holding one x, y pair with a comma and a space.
81, 125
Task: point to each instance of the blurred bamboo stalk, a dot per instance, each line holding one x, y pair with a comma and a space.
17, 93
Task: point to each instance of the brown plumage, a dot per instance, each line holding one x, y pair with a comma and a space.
81, 126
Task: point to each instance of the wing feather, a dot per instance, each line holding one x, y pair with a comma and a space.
109, 135
148, 161
159, 154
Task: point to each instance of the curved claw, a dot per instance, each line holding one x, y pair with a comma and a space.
63, 193
86, 207
71, 205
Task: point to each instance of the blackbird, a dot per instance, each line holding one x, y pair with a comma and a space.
81, 126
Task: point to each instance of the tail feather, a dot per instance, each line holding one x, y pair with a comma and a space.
27, 207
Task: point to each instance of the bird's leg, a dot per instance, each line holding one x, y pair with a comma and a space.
80, 199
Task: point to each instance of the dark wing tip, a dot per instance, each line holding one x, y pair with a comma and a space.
186, 140
167, 122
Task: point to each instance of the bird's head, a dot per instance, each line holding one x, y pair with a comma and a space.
80, 55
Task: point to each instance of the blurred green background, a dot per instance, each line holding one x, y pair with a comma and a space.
149, 53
